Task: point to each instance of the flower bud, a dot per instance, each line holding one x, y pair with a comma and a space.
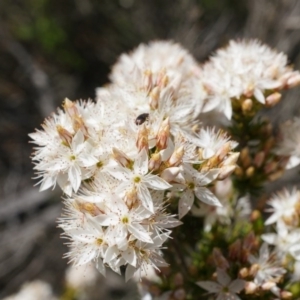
170, 174
245, 157
222, 152
176, 157
147, 80
250, 287
250, 171
247, 105
219, 260
294, 80
254, 269
64, 135
88, 207
286, 295
130, 197
231, 159
163, 134
70, 108
268, 285
179, 294
235, 250
225, 172
154, 97
142, 139
259, 159
154, 162
122, 158
273, 99
243, 273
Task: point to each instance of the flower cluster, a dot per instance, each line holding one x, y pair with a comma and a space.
138, 162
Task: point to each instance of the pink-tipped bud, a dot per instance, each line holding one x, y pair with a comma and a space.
270, 167
121, 158
176, 157
130, 197
148, 80
231, 159
294, 80
142, 139
154, 162
250, 287
78, 124
64, 135
225, 172
268, 285
286, 295
235, 250
70, 108
179, 294
154, 98
223, 151
259, 159
273, 99
170, 174
88, 207
219, 259
163, 134
254, 269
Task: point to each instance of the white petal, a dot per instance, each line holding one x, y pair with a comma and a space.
87, 256
223, 277
145, 197
141, 163
210, 286
119, 172
111, 253
206, 177
156, 182
48, 181
107, 220
74, 175
236, 285
185, 203
77, 141
100, 266
206, 196
258, 94
269, 238
130, 271
140, 233
130, 256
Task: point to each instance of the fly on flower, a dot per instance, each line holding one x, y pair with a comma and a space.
142, 118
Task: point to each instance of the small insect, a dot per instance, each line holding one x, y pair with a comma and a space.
141, 119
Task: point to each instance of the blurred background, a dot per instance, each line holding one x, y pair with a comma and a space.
52, 49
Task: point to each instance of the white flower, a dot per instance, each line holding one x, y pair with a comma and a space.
139, 178
284, 206
245, 69
36, 289
225, 288
268, 267
194, 185
285, 241
289, 144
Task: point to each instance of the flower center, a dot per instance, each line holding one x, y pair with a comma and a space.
191, 185
137, 179
125, 220
72, 157
99, 241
